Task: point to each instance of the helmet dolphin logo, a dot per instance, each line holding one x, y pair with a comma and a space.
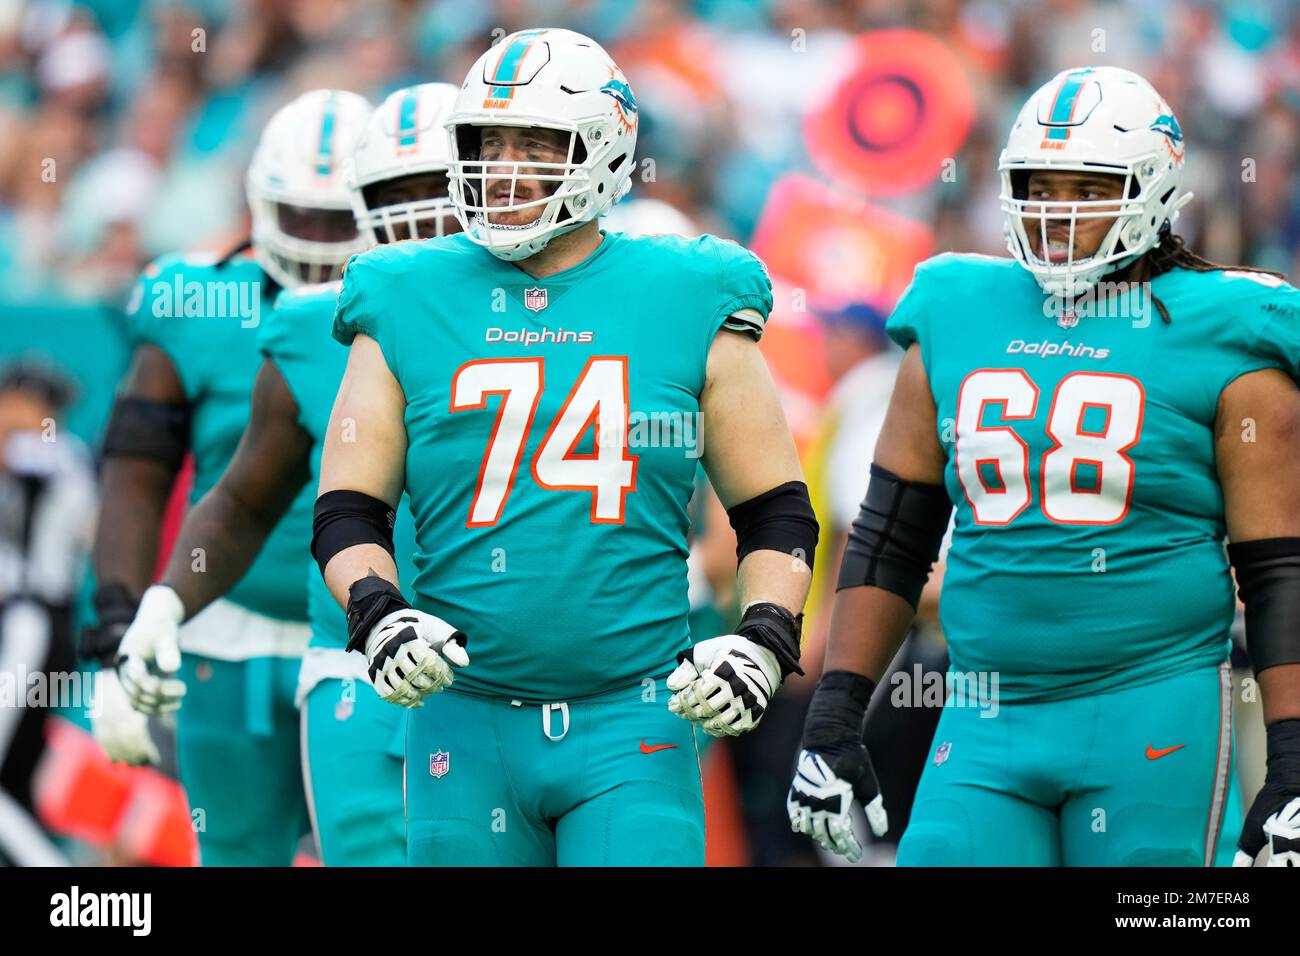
1165, 123
622, 95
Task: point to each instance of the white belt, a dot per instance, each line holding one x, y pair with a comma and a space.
225, 631
328, 663
548, 723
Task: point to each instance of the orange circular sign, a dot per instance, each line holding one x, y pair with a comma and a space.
888, 124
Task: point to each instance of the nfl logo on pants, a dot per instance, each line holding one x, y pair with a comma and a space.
535, 299
439, 763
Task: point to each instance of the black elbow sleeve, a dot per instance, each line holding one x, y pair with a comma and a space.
896, 536
142, 428
1268, 580
778, 520
346, 518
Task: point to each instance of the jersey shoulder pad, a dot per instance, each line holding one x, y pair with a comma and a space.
306, 311
309, 296
177, 286
937, 282
734, 282
1269, 307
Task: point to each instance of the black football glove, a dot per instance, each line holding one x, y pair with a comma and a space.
834, 768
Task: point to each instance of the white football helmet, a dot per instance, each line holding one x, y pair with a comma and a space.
556, 79
405, 137
1099, 120
296, 187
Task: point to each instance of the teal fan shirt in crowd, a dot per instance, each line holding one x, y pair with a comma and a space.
1088, 550
563, 562
204, 313
297, 339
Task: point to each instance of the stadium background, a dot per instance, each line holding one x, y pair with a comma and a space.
843, 140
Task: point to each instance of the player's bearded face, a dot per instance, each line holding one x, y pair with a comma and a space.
410, 189
1052, 192
508, 185
316, 225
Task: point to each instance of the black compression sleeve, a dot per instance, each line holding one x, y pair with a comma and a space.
781, 519
346, 518
896, 536
1268, 579
142, 428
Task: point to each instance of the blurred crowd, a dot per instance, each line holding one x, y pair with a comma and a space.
126, 125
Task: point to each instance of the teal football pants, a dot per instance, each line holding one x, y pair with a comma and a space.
1134, 777
612, 780
353, 745
237, 754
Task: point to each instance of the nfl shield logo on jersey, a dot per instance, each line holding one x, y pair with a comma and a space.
1068, 320
439, 763
535, 299
941, 755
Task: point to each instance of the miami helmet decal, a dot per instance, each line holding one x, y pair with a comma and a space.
621, 93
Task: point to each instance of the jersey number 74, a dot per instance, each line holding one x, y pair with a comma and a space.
599, 399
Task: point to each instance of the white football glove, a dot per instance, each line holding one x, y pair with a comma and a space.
724, 684
408, 652
1282, 829
118, 727
820, 801
150, 655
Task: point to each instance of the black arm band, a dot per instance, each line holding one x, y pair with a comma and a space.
778, 520
141, 428
370, 600
346, 518
773, 627
838, 711
114, 612
1268, 580
896, 536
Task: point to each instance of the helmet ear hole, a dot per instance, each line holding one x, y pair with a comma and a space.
1020, 183
468, 141
579, 149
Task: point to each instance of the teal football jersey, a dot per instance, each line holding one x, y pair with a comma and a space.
1088, 549
296, 337
205, 317
553, 435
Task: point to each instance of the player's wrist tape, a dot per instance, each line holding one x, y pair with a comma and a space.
1283, 738
1268, 580
773, 627
114, 611
896, 536
142, 428
1283, 750
370, 600
781, 519
343, 519
837, 712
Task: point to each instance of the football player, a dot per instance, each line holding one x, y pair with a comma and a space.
1102, 409
196, 323
505, 378
352, 741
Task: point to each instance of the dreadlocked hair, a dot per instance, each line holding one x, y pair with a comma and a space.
1171, 252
